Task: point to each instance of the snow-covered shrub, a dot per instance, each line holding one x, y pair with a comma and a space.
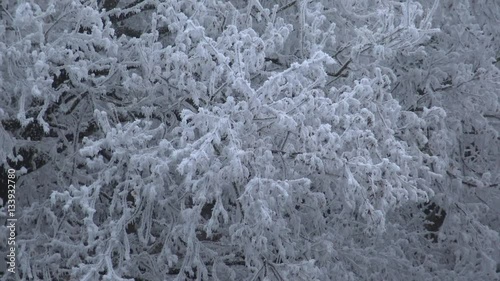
246, 140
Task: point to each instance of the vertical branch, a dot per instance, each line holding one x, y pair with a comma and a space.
302, 19
408, 2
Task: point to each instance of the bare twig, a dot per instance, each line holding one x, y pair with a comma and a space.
339, 72
57, 21
273, 60
340, 51
492, 116
275, 272
281, 9
395, 87
285, 140
257, 274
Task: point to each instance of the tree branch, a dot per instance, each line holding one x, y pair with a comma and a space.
281, 9
491, 116
339, 72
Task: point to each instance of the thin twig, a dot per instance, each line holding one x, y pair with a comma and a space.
50, 28
286, 6
285, 140
339, 72
257, 274
265, 118
395, 87
275, 272
7, 12
340, 51
491, 116
293, 109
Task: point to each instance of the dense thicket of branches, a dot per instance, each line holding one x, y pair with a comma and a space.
247, 140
